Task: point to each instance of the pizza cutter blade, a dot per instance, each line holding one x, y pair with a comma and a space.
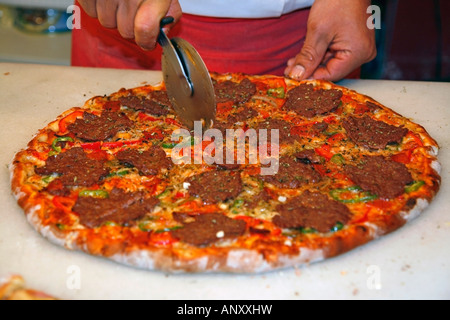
188, 82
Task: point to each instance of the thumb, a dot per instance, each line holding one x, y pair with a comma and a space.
306, 62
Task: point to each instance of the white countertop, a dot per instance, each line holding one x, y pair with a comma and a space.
411, 263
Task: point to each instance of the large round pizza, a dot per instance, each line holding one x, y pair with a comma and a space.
106, 178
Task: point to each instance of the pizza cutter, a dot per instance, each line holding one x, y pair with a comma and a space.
188, 82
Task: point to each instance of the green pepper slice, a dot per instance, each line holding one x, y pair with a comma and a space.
111, 224
359, 195
143, 226
414, 186
169, 145
307, 230
338, 226
165, 193
168, 229
119, 173
57, 149
183, 144
338, 159
61, 226
49, 179
277, 92
238, 203
102, 194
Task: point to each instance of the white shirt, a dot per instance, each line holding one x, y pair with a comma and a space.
242, 8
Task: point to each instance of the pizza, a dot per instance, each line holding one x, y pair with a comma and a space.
317, 170
14, 287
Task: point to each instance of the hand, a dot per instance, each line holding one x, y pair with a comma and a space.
134, 19
337, 42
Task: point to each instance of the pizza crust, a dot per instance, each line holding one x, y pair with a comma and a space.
14, 288
235, 261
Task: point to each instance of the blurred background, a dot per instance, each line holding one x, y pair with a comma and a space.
413, 42
35, 31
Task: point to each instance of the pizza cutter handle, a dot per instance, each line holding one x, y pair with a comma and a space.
165, 21
163, 40
175, 58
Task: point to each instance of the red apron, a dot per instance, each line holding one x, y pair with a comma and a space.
252, 46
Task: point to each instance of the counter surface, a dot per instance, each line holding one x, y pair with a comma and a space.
411, 263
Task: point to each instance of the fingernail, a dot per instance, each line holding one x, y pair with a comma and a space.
297, 72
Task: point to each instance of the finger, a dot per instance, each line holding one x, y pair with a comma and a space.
175, 12
126, 14
337, 67
309, 58
89, 6
107, 13
146, 23
328, 56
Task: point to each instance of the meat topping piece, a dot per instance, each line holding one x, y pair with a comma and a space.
159, 106
233, 119
319, 127
56, 188
283, 127
242, 115
222, 126
210, 228
292, 173
311, 210
372, 134
380, 176
119, 207
261, 197
149, 162
232, 91
75, 168
161, 97
308, 156
309, 102
215, 186
99, 128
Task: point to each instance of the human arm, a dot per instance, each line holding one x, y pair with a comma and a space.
134, 19
337, 42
